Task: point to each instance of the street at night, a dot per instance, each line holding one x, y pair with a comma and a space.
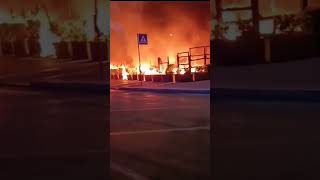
52, 135
265, 140
157, 130
159, 136
17, 70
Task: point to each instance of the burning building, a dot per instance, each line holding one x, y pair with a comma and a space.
172, 29
54, 21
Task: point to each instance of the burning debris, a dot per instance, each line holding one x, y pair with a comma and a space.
192, 63
171, 28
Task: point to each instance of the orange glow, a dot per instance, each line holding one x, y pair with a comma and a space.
182, 71
124, 73
175, 70
148, 70
171, 28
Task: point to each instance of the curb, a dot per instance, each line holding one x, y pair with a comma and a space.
171, 91
68, 86
270, 94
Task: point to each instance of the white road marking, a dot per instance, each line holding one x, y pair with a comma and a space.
128, 172
160, 131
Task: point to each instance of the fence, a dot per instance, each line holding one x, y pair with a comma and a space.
196, 56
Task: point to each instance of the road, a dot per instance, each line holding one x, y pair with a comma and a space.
50, 135
21, 70
265, 139
159, 136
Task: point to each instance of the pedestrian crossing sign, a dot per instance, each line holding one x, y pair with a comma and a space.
142, 39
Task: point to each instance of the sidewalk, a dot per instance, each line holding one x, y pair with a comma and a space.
299, 80
97, 86
290, 80
199, 87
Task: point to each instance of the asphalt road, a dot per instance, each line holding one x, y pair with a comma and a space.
159, 136
19, 70
265, 140
53, 135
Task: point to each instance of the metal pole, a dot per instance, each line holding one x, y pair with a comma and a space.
205, 56
139, 57
189, 61
256, 17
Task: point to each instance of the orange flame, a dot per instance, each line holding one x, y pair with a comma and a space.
124, 73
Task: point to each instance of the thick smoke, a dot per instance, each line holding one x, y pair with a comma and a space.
172, 27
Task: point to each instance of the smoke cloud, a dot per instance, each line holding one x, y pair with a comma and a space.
172, 27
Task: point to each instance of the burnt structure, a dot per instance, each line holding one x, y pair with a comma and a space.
254, 47
14, 40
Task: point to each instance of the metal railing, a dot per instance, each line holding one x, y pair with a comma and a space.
187, 60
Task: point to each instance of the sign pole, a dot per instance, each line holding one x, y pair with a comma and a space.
142, 39
139, 60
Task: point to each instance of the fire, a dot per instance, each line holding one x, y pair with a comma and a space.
182, 71
124, 73
114, 67
175, 70
148, 70
182, 27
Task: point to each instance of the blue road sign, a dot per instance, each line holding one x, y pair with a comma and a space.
142, 39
